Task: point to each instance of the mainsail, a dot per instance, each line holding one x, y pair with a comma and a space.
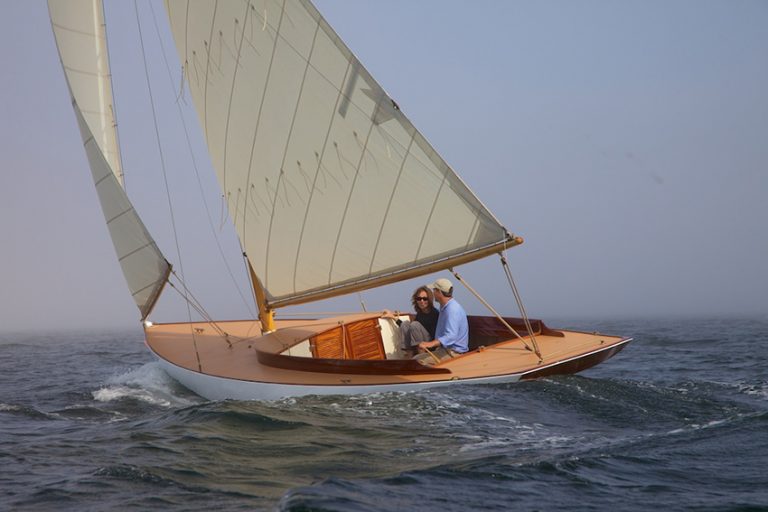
78, 26
330, 187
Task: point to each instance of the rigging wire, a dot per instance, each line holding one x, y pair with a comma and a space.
198, 307
165, 174
518, 297
248, 306
485, 303
362, 301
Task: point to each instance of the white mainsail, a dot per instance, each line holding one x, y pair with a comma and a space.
330, 186
78, 26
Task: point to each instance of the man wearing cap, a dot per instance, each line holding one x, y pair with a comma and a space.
452, 332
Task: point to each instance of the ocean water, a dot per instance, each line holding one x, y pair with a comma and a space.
677, 421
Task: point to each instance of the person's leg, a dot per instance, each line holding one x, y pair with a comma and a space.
413, 334
405, 331
434, 356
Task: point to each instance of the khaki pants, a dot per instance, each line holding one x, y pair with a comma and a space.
440, 353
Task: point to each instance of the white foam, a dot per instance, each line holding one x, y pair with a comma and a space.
148, 383
9, 407
111, 393
701, 426
760, 390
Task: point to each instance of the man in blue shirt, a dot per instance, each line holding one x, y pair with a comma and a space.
452, 333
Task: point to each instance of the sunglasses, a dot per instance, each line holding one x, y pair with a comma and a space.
422, 298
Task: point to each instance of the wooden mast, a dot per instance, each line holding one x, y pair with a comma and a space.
266, 314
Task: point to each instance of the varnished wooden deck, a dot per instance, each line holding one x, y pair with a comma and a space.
200, 348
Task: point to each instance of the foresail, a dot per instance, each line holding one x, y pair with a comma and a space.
329, 185
78, 27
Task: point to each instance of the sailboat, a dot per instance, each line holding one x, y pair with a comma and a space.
331, 190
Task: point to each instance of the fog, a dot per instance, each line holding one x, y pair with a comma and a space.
626, 142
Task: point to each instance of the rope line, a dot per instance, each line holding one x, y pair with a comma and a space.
165, 174
248, 306
519, 301
498, 316
200, 311
207, 318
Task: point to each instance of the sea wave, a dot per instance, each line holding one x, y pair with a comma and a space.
23, 410
148, 384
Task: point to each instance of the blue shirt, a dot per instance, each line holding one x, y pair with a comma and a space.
452, 329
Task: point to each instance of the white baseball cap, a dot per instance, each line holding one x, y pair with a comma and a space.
443, 285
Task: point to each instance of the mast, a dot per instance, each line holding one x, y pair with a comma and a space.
266, 313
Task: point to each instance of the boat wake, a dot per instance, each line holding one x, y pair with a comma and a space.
148, 384
23, 410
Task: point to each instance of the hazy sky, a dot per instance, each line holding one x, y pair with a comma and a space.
626, 141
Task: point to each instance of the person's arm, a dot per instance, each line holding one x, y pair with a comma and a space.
451, 334
452, 331
429, 344
389, 315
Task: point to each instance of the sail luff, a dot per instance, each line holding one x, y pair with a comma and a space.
292, 98
81, 43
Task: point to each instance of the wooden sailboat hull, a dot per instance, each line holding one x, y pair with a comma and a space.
334, 122
235, 367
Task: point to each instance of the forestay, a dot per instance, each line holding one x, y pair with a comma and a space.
329, 185
78, 26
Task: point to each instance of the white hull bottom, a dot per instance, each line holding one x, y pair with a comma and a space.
219, 388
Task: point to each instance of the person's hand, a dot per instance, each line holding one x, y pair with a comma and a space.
388, 315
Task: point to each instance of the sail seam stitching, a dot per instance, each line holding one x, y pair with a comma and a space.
287, 146
85, 72
136, 250
256, 130
351, 191
389, 203
429, 218
229, 103
106, 176
150, 285
75, 31
207, 68
119, 215
317, 173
